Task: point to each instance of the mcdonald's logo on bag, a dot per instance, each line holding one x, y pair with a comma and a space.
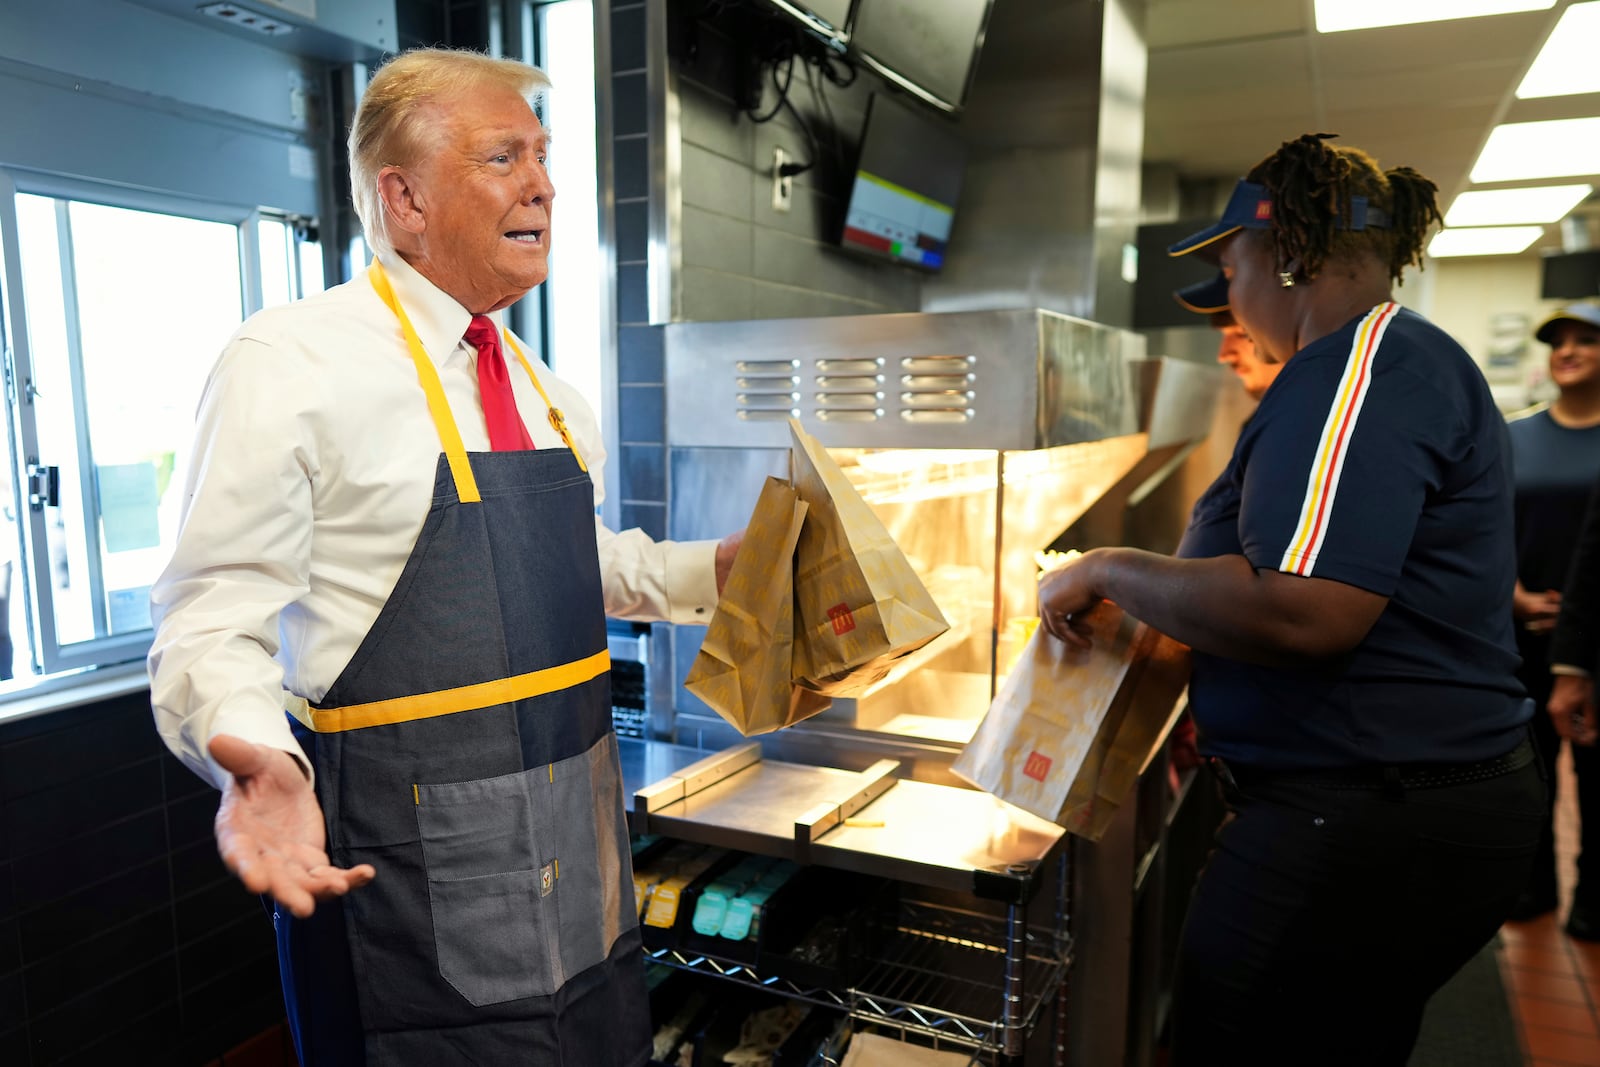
1037, 767
842, 619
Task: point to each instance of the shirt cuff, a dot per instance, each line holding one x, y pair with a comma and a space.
271, 731
1569, 670
691, 573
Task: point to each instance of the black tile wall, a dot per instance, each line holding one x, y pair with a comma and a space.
66, 1030
644, 474
109, 735
116, 916
642, 413
633, 297
13, 1004
10, 948
651, 518
215, 1022
629, 104
639, 356
44, 819
218, 905
633, 231
88, 859
146, 1040
627, 37
64, 975
631, 160
89, 912
14, 1044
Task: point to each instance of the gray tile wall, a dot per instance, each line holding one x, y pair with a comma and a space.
742, 259
738, 257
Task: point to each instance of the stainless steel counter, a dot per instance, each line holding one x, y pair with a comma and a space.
867, 821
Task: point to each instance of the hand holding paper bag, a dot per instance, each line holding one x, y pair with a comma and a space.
1069, 722
859, 606
820, 602
743, 669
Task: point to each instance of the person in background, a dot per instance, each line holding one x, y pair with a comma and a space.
1574, 657
1238, 353
1236, 350
391, 515
1346, 588
1556, 456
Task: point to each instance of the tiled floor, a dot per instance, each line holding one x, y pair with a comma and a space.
1554, 981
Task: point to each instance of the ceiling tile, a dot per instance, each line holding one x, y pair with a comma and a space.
1183, 22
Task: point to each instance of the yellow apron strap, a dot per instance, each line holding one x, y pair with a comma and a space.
450, 701
557, 420
438, 406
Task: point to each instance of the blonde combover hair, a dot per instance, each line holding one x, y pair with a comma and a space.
396, 124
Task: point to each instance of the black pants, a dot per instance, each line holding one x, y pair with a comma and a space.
1542, 881
1326, 918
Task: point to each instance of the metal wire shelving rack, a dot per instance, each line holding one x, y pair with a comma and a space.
944, 977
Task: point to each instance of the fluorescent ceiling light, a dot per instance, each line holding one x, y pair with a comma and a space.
1500, 207
1336, 15
1485, 241
1556, 148
1566, 64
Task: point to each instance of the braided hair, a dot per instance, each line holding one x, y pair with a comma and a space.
1312, 182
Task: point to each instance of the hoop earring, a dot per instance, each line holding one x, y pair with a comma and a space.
1286, 279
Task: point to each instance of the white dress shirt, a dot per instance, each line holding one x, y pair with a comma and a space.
312, 471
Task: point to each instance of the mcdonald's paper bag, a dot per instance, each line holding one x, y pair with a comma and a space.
1155, 699
859, 606
743, 670
1050, 741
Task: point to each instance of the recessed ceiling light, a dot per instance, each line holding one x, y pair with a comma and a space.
1484, 241
1566, 64
1336, 15
1555, 148
1501, 207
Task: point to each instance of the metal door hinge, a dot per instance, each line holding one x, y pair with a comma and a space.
44, 486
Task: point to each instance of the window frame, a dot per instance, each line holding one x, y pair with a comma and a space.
48, 655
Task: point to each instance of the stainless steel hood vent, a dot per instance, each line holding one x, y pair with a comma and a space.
1011, 379
918, 389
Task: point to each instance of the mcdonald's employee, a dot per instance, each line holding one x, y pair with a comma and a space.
1236, 350
1346, 587
391, 515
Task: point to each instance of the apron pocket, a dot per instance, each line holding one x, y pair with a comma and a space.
492, 922
490, 937
594, 891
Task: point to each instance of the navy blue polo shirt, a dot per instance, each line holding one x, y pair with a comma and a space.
1377, 459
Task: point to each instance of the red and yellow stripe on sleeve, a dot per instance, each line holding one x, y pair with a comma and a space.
1322, 484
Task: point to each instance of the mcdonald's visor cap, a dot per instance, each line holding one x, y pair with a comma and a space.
1250, 207
1205, 298
1585, 314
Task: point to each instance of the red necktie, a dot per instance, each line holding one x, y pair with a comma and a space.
506, 431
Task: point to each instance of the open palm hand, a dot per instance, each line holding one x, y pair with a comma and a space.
270, 831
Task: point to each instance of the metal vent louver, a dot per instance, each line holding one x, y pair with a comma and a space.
929, 389
767, 388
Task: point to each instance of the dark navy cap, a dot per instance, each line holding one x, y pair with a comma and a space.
1205, 298
1585, 314
1250, 208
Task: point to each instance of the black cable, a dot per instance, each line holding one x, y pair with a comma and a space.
781, 90
788, 170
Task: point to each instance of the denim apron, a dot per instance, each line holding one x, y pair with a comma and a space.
466, 752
